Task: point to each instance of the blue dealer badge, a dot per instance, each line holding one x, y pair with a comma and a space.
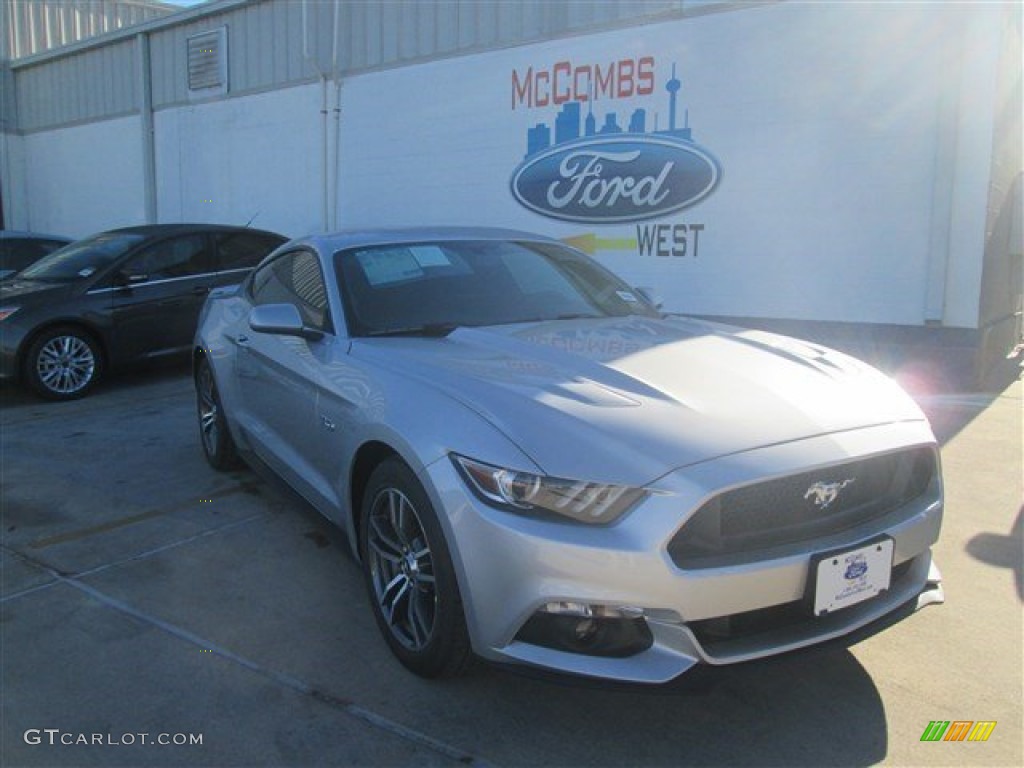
856, 568
629, 177
612, 170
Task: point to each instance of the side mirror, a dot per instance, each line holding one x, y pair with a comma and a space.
281, 319
651, 295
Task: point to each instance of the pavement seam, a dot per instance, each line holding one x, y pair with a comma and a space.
299, 686
173, 545
139, 517
106, 566
29, 591
55, 576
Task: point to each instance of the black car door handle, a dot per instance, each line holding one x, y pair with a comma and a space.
201, 290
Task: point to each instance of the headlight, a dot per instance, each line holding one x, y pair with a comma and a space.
6, 312
526, 493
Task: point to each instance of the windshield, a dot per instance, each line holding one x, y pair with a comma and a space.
81, 259
431, 288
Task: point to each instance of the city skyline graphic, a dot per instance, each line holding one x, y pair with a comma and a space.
568, 123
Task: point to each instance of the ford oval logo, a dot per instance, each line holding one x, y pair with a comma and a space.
615, 179
855, 569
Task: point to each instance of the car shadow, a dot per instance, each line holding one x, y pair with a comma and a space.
1003, 550
809, 708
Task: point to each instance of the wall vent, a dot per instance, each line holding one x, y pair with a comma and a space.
208, 63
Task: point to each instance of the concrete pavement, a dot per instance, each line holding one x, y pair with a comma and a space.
143, 593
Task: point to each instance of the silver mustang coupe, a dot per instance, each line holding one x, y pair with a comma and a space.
536, 466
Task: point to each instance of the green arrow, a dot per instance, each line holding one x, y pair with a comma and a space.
590, 243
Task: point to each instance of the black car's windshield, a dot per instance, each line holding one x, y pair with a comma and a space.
81, 259
431, 288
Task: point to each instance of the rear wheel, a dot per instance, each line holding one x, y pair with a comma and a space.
218, 447
409, 574
62, 363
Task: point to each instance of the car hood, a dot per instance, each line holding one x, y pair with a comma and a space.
17, 291
630, 399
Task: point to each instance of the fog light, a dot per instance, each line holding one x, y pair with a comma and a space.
585, 630
592, 630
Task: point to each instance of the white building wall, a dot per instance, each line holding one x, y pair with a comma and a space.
976, 115
854, 141
231, 161
824, 118
97, 169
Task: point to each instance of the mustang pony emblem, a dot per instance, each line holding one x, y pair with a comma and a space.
825, 493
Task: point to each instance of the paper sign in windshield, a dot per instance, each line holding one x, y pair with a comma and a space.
383, 267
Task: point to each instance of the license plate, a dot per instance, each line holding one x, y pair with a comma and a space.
847, 578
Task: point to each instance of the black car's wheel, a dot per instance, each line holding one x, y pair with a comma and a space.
63, 363
409, 574
218, 446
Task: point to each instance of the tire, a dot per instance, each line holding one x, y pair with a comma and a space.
214, 436
409, 575
63, 363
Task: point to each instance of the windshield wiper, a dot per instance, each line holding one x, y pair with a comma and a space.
429, 329
567, 316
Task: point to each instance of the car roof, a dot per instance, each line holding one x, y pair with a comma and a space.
157, 230
365, 237
11, 234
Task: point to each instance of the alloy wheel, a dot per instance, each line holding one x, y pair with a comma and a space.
402, 569
65, 364
209, 411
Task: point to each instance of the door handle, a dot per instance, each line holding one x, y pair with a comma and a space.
242, 339
201, 290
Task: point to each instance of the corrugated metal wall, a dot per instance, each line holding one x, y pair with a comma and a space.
264, 49
34, 26
93, 84
266, 46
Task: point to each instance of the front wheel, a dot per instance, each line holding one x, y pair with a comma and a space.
218, 447
62, 363
409, 574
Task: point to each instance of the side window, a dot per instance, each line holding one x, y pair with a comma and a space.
243, 250
294, 278
18, 254
176, 257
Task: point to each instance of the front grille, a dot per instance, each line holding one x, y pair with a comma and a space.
798, 508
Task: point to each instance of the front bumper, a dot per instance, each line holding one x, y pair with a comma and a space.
510, 566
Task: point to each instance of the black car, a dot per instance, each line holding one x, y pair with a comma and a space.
19, 249
116, 297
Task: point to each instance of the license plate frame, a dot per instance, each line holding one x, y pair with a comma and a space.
845, 577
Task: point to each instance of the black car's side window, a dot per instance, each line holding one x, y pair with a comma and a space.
243, 250
294, 278
176, 257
